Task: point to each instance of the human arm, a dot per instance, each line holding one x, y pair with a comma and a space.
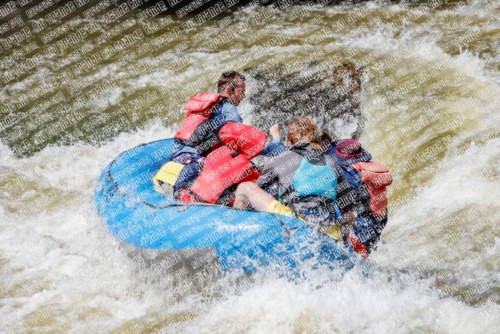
274, 147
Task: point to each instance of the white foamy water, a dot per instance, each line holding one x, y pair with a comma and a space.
60, 264
437, 265
64, 272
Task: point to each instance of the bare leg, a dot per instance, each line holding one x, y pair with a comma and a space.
248, 194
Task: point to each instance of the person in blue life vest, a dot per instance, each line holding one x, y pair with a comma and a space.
302, 182
213, 147
368, 181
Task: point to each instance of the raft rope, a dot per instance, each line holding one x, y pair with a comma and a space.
185, 206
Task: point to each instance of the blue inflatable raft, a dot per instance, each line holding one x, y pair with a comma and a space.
140, 216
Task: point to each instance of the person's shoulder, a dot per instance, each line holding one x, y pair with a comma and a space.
334, 163
329, 157
287, 158
226, 105
229, 111
225, 102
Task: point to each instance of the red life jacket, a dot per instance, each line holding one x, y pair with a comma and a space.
199, 110
230, 164
377, 178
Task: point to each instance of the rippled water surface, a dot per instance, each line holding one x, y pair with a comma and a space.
430, 108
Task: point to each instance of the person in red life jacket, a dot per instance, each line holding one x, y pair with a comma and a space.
302, 182
216, 147
208, 113
368, 180
214, 179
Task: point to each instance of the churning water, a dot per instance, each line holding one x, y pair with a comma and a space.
430, 102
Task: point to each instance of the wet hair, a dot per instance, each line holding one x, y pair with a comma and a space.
303, 129
326, 137
231, 79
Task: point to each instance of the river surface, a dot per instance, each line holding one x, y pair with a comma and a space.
79, 89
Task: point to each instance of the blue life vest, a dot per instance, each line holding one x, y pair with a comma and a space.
315, 181
312, 179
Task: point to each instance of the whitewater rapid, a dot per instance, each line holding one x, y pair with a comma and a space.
431, 100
